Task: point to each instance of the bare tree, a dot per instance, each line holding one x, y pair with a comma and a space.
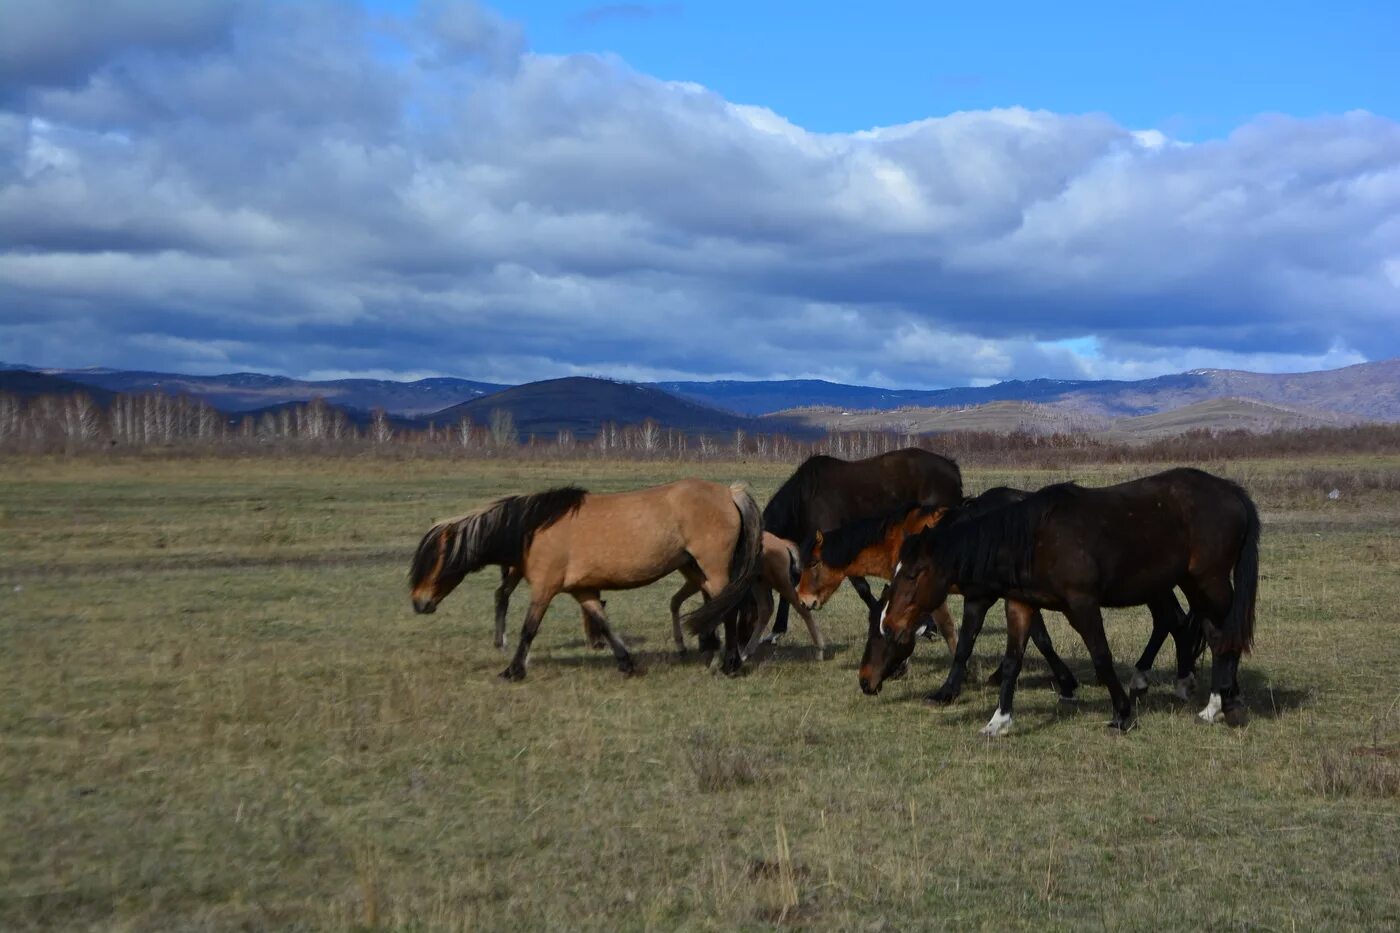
380, 430
503, 432
464, 432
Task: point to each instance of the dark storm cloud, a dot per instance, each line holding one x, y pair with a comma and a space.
306, 188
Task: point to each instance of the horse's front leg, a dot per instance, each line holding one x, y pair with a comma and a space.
533, 616
863, 589
510, 579
1087, 620
1166, 620
974, 612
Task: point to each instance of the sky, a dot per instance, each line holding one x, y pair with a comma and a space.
886, 193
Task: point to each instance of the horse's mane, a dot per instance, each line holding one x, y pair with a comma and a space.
841, 546
785, 514
989, 540
497, 533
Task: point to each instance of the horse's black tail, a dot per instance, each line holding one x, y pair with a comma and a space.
1238, 631
743, 567
1192, 635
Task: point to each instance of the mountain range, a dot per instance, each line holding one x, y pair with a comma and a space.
1204, 398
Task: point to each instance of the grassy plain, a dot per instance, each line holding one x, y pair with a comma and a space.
217, 711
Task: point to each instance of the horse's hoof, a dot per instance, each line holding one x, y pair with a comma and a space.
514, 674
1000, 724
1122, 725
682, 650
941, 697
1237, 716
628, 667
1069, 696
731, 667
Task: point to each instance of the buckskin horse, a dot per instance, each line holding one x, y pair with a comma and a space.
826, 492
1074, 550
776, 573
571, 541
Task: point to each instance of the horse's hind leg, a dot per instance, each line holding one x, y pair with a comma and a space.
1020, 618
534, 615
1166, 618
592, 605
510, 579
1212, 599
1087, 620
1065, 682
687, 590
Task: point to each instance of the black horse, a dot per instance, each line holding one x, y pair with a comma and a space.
1075, 550
826, 493
1167, 619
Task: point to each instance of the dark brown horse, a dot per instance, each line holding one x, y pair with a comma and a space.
570, 541
825, 492
1075, 550
1167, 619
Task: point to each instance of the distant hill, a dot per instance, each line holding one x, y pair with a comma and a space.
997, 417
28, 383
582, 405
1368, 391
1228, 414
238, 392
762, 398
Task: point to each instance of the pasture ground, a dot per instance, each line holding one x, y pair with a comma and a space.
217, 711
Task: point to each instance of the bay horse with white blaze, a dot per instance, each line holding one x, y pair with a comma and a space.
1075, 550
826, 492
571, 541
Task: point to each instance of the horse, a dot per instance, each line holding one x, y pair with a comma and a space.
872, 546
776, 573
868, 547
826, 492
568, 540
1074, 550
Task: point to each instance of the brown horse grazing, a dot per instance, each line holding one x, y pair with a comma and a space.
825, 492
776, 572
571, 541
868, 547
1074, 550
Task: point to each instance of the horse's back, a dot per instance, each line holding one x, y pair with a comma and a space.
625, 539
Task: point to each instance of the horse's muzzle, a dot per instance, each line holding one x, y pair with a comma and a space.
424, 607
867, 688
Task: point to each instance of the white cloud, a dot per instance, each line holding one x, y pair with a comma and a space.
268, 181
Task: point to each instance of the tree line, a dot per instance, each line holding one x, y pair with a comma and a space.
76, 424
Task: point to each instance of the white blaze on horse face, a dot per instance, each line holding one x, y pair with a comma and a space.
885, 609
999, 724
1212, 709
898, 564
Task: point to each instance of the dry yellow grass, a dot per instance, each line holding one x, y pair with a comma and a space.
218, 712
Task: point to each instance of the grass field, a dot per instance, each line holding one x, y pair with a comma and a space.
217, 711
